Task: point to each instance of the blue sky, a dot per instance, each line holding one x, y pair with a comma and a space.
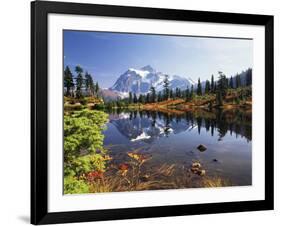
107, 55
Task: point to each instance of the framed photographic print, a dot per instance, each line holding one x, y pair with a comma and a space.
145, 112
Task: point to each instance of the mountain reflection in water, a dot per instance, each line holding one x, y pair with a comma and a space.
173, 139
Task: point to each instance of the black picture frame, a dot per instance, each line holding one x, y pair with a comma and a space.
39, 112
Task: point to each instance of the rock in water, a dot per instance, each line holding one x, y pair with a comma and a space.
196, 168
202, 147
202, 172
196, 165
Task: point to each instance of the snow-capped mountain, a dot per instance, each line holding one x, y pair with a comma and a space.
140, 81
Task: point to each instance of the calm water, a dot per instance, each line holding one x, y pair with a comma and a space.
173, 139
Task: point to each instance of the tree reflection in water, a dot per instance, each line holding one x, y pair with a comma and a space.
235, 121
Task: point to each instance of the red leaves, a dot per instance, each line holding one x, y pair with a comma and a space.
141, 158
123, 166
123, 169
94, 175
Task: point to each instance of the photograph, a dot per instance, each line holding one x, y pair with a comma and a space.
155, 111
144, 112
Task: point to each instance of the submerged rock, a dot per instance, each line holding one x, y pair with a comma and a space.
202, 147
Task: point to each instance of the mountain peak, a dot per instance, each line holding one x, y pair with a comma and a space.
139, 81
148, 68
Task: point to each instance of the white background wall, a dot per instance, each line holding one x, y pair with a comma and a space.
15, 113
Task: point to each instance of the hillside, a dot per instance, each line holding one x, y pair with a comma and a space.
232, 100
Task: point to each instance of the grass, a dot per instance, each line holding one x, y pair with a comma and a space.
73, 107
133, 176
73, 104
216, 182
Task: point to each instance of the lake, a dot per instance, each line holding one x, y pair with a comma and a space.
171, 138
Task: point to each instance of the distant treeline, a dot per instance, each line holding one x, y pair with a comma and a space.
218, 88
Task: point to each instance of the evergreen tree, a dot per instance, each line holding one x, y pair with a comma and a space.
187, 94
68, 81
207, 87
147, 98
212, 84
226, 83
97, 88
249, 77
159, 96
171, 94
183, 93
130, 98
141, 99
191, 92
222, 84
178, 93
199, 88
79, 81
92, 87
135, 99
238, 81
153, 94
231, 85
89, 84
215, 88
166, 88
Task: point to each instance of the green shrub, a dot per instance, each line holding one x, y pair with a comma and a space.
99, 106
84, 164
75, 186
83, 132
83, 147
